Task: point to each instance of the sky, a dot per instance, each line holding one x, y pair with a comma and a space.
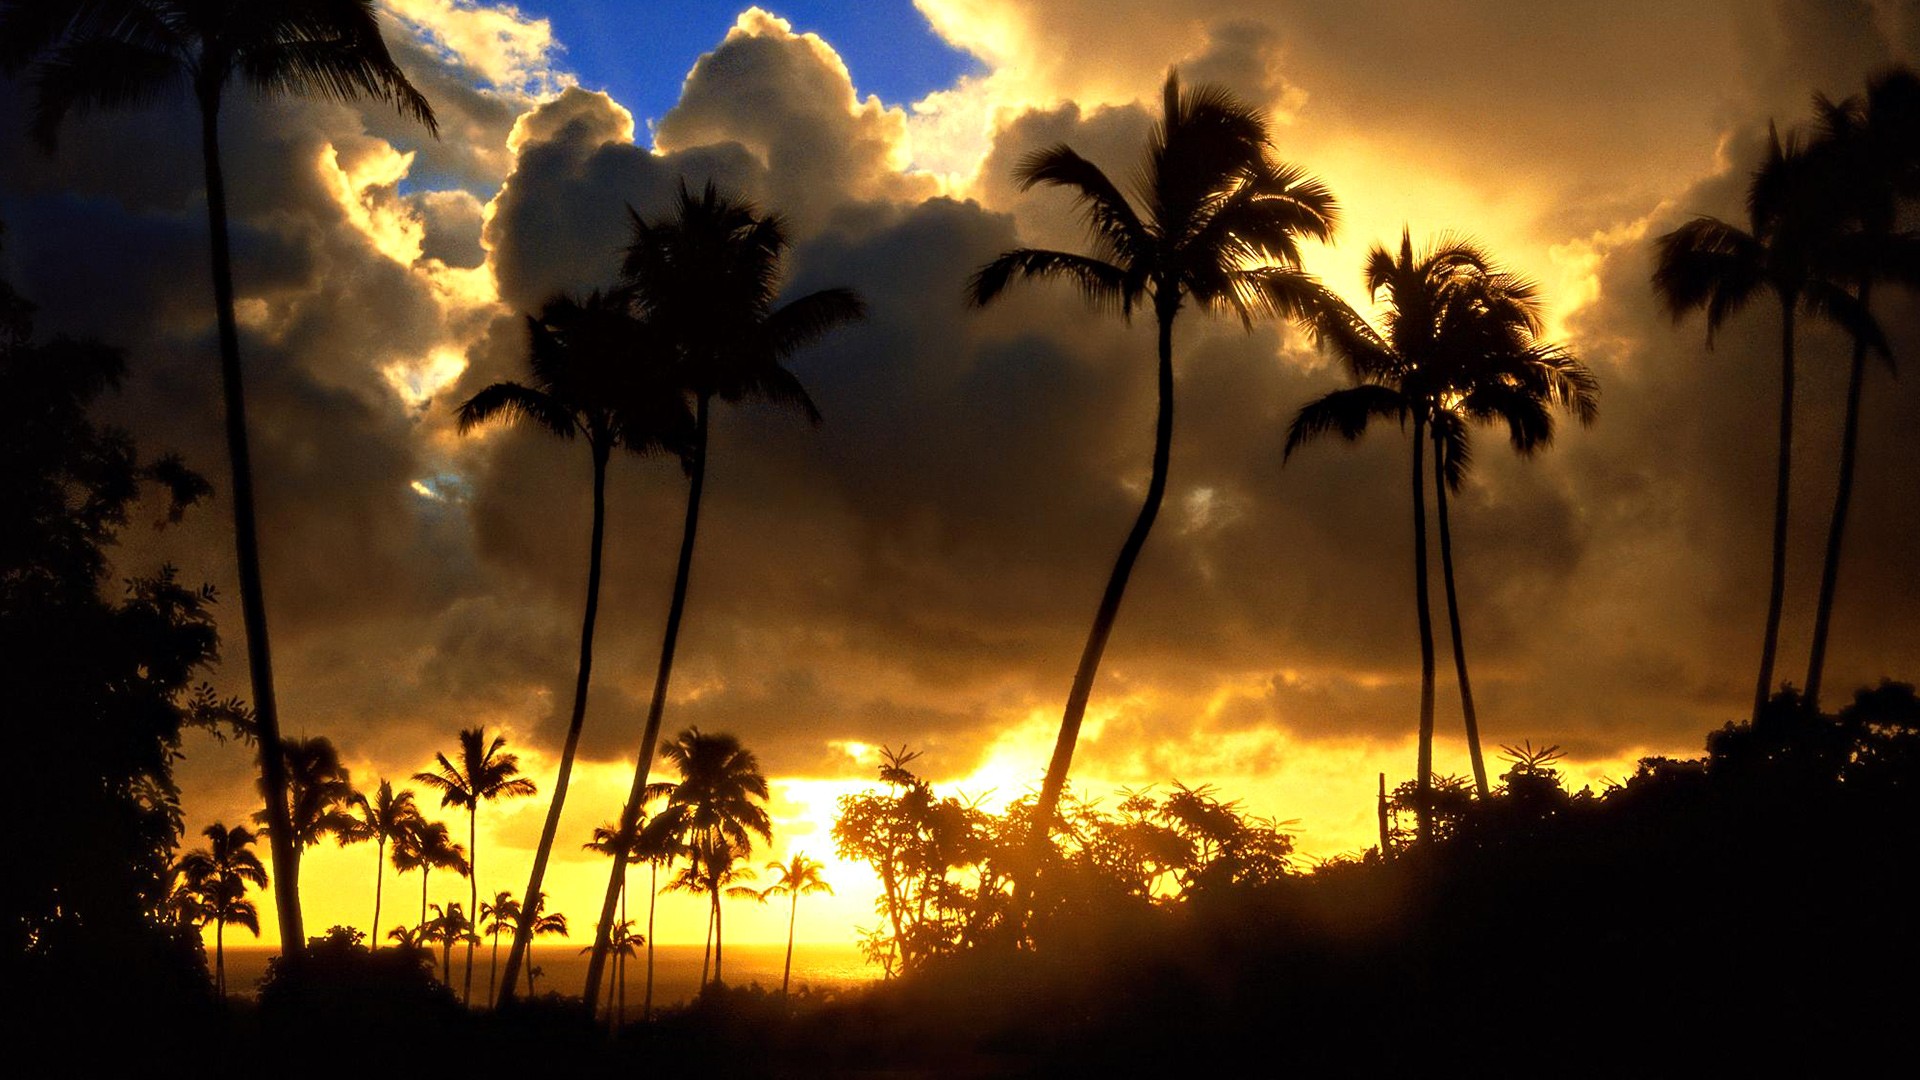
920, 568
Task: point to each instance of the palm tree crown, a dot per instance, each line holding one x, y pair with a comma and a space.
484, 772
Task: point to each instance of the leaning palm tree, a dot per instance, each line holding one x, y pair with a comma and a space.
600, 374
792, 878
709, 277
216, 878
385, 819
1459, 346
1219, 223
427, 846
1870, 145
483, 773
79, 55
1712, 264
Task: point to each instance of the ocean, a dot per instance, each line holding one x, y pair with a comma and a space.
676, 969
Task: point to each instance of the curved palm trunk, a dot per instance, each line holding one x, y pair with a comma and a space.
379, 883
717, 937
1777, 590
523, 933
1103, 619
653, 897
650, 737
253, 604
1423, 782
1836, 532
1453, 622
793, 915
473, 890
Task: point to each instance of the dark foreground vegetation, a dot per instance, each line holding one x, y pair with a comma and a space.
1751, 907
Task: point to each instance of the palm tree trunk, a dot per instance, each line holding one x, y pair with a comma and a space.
1777, 590
706, 955
379, 883
1103, 619
523, 934
220, 957
253, 604
1423, 782
716, 933
650, 737
473, 890
1453, 621
424, 871
620, 972
653, 897
493, 966
504, 996
1836, 532
793, 916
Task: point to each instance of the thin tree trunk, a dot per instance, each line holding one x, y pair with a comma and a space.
508, 997
1843, 497
253, 604
620, 975
1103, 619
493, 965
650, 737
523, 934
424, 870
1453, 621
1386, 835
706, 955
473, 890
220, 958
1423, 782
653, 897
1777, 589
717, 938
793, 916
379, 883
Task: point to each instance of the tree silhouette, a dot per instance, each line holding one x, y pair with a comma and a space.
483, 773
216, 877
1459, 347
319, 791
446, 927
1219, 224
709, 277
792, 878
714, 812
1870, 147
427, 846
496, 915
599, 373
109, 54
385, 819
1719, 267
542, 924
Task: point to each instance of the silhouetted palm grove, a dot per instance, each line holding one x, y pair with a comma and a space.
1752, 905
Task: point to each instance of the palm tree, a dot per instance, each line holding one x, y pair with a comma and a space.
496, 915
542, 924
319, 790
446, 927
1711, 264
601, 374
708, 278
483, 773
657, 844
1219, 223
86, 54
792, 878
623, 944
427, 846
714, 811
1871, 146
216, 878
386, 818
1460, 346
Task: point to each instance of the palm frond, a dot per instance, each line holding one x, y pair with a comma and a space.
98, 73
1101, 283
1110, 217
1347, 412
513, 402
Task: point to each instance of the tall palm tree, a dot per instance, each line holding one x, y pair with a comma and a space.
496, 915
85, 54
319, 791
1459, 346
385, 819
709, 278
623, 944
543, 923
1719, 267
601, 374
658, 846
484, 772
446, 927
1219, 223
216, 878
1871, 146
427, 846
792, 878
714, 812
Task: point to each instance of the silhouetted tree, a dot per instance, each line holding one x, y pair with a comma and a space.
792, 878
714, 812
85, 54
447, 926
216, 878
483, 773
601, 374
319, 791
496, 915
542, 923
1460, 346
708, 278
385, 819
1711, 264
1870, 146
427, 846
1220, 225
